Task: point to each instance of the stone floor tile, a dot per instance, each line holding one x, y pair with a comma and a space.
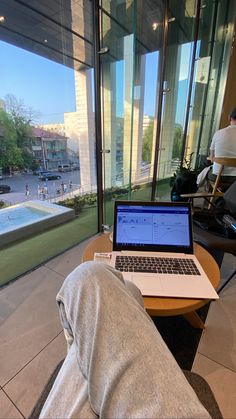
218, 341
8, 410
24, 389
68, 261
33, 321
222, 382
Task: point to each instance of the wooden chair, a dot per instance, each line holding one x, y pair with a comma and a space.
224, 162
216, 191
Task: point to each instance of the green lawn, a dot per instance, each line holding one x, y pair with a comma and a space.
20, 257
24, 255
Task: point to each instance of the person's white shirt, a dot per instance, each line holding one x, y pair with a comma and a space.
224, 145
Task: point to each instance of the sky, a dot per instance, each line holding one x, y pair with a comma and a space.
43, 85
48, 87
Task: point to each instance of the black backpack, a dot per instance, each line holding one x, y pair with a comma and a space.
184, 183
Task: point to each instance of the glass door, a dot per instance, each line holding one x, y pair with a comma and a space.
210, 76
117, 80
178, 58
132, 38
148, 65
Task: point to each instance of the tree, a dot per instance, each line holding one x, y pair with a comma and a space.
21, 119
147, 143
177, 144
17, 109
10, 153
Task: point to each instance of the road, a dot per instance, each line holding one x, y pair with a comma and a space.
19, 181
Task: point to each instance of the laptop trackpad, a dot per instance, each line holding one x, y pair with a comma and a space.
148, 284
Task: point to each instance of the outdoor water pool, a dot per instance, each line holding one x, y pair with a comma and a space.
19, 221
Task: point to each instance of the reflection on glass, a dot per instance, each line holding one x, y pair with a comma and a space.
130, 73
176, 85
117, 98
47, 88
209, 79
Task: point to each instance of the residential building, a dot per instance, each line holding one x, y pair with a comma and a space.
49, 148
56, 128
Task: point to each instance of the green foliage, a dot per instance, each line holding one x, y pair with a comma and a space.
15, 145
136, 187
2, 204
115, 192
90, 199
79, 202
147, 143
10, 153
177, 144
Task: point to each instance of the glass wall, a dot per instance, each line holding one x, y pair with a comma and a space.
224, 33
149, 58
208, 77
160, 83
117, 72
47, 119
132, 32
179, 51
163, 67
197, 57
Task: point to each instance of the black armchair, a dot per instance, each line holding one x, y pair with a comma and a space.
214, 241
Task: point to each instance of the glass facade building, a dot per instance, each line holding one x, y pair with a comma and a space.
137, 87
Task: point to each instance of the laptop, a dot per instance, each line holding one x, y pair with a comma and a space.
153, 247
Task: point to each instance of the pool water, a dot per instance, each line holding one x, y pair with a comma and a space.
31, 217
24, 215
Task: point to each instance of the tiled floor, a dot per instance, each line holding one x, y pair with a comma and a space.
216, 356
32, 342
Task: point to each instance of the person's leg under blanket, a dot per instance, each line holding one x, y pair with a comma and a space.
117, 366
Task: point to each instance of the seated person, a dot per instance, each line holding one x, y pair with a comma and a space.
224, 145
117, 364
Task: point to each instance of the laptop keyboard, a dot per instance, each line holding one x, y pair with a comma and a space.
156, 265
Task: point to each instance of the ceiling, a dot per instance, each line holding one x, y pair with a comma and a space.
60, 30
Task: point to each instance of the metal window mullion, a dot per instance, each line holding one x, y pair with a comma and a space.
191, 80
97, 105
132, 101
210, 68
221, 61
160, 99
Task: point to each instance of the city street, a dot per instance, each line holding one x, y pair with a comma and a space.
18, 183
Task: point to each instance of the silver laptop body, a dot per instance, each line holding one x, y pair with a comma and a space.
153, 247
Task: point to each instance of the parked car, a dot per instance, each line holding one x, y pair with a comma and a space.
64, 168
5, 189
75, 166
49, 176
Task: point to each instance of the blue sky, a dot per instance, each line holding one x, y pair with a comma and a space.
48, 88
44, 85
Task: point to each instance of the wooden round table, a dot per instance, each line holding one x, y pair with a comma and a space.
159, 306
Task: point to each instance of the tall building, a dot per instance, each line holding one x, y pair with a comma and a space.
79, 126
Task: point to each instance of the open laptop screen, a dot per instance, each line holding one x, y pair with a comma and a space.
153, 226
